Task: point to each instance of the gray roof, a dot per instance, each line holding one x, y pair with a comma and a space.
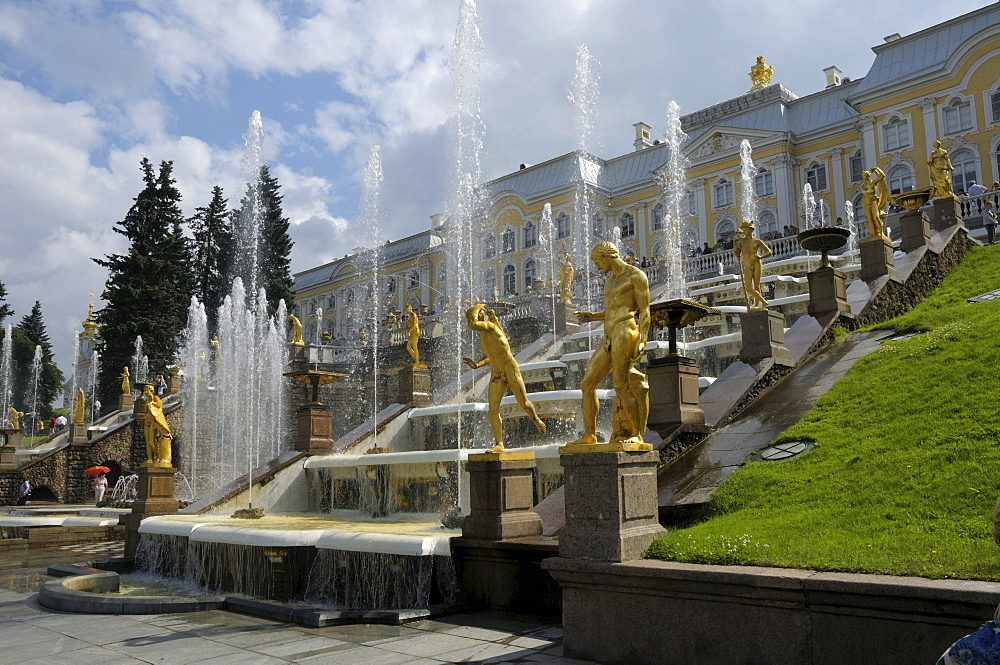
407, 248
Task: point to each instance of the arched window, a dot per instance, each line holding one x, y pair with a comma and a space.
723, 191
489, 246
860, 221
763, 183
598, 224
509, 280
414, 280
855, 166
689, 236
821, 215
766, 223
816, 176
658, 250
331, 302
966, 170
995, 105
530, 270
627, 224
658, 217
726, 229
896, 133
691, 202
562, 225
390, 285
899, 179
957, 116
530, 234
490, 284
507, 242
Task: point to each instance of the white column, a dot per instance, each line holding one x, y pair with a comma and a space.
699, 199
838, 183
927, 105
425, 287
782, 190
866, 125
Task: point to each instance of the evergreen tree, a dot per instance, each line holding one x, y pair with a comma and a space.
211, 227
5, 309
148, 288
274, 244
30, 333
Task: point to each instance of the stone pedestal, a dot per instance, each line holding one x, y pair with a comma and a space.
915, 227
7, 457
13, 438
764, 337
415, 385
611, 511
78, 433
876, 258
827, 292
673, 393
173, 384
947, 212
315, 429
501, 496
566, 322
139, 409
155, 497
124, 402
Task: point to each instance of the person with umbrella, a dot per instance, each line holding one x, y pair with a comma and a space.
100, 481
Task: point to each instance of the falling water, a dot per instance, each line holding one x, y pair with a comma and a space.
92, 383
548, 239
75, 364
36, 372
248, 221
370, 222
852, 242
140, 363
821, 209
5, 371
748, 194
808, 205
672, 182
616, 240
195, 360
584, 93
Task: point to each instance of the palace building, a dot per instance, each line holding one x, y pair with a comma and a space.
940, 83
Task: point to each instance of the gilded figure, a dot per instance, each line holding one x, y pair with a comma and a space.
156, 430
760, 74
874, 195
749, 251
412, 334
504, 370
15, 418
296, 331
126, 384
79, 407
940, 167
566, 273
626, 328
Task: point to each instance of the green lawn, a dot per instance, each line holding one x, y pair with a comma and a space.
906, 471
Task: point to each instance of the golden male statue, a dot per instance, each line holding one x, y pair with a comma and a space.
296, 331
126, 384
156, 430
79, 407
504, 371
748, 251
940, 167
566, 273
412, 335
874, 195
626, 327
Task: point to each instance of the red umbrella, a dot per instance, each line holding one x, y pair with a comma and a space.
96, 470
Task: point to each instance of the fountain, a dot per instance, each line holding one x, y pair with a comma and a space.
673, 181
5, 371
36, 371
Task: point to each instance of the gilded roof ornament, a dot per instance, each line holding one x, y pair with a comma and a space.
760, 74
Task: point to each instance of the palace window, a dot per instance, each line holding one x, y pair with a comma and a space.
957, 117
763, 183
856, 167
821, 215
390, 285
489, 246
723, 191
900, 179
816, 177
562, 225
598, 224
995, 106
627, 224
766, 223
658, 217
490, 284
726, 229
896, 133
530, 270
692, 203
965, 170
507, 241
414, 280
509, 280
530, 235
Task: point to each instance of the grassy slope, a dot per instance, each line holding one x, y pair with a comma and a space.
907, 466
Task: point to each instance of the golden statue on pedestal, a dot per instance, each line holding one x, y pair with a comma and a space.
749, 251
760, 74
566, 273
156, 430
504, 371
15, 418
296, 331
940, 167
874, 195
390, 320
126, 384
626, 328
79, 407
412, 335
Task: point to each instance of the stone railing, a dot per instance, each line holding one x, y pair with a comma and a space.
972, 207
696, 267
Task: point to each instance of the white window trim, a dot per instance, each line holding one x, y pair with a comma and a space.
850, 176
715, 194
762, 171
988, 122
501, 249
895, 115
813, 163
967, 99
619, 223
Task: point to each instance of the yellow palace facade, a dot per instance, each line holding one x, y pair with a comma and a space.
940, 83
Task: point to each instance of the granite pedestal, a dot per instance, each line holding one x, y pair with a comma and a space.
673, 393
155, 496
315, 429
173, 384
827, 292
415, 385
501, 496
876, 258
566, 322
611, 511
13, 438
125, 402
139, 409
947, 212
764, 337
78, 433
7, 460
915, 227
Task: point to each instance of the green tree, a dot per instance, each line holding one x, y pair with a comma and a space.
149, 287
274, 244
5, 309
31, 332
212, 229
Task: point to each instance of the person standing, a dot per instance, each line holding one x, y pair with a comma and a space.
61, 422
100, 487
989, 222
975, 189
24, 493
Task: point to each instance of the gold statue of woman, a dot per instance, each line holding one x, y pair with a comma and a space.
296, 331
504, 371
79, 407
940, 167
748, 251
874, 195
126, 385
412, 335
156, 430
566, 273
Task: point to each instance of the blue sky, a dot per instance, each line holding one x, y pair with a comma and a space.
88, 87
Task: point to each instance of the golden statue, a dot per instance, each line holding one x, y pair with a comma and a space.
390, 320
296, 332
626, 327
748, 257
363, 337
874, 194
760, 74
214, 343
79, 407
412, 335
566, 273
15, 418
504, 371
941, 168
156, 430
126, 385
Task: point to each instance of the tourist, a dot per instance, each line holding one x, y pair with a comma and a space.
52, 424
989, 222
975, 189
100, 487
24, 492
644, 263
61, 422
706, 249
995, 187
161, 386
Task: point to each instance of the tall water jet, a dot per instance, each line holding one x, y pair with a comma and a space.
74, 366
194, 358
673, 177
808, 205
92, 383
547, 239
36, 372
748, 193
584, 94
852, 242
248, 221
140, 363
370, 222
5, 371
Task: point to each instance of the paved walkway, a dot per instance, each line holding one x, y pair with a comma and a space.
33, 635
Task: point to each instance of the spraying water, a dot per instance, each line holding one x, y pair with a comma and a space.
370, 222
748, 193
808, 205
36, 372
75, 364
194, 357
248, 221
5, 370
548, 239
92, 383
852, 242
673, 179
140, 363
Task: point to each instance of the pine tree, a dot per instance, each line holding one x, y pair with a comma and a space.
211, 227
30, 333
274, 244
5, 309
148, 288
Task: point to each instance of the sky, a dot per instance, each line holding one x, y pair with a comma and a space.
89, 87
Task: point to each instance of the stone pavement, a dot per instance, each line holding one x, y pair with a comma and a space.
31, 634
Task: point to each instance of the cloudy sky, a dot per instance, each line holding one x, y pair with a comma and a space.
88, 87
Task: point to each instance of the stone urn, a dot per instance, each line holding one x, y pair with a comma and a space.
913, 199
824, 239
